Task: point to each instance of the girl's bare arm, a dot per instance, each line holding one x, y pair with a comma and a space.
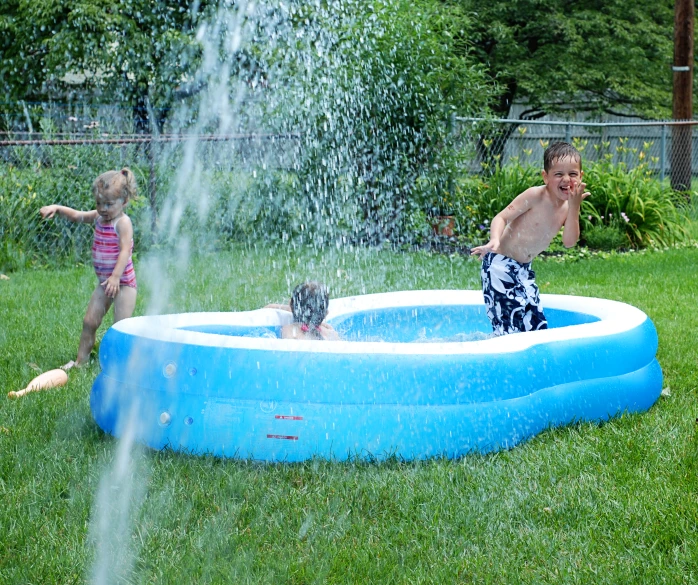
69, 213
328, 332
278, 306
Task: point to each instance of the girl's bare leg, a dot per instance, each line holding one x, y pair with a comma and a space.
124, 303
96, 309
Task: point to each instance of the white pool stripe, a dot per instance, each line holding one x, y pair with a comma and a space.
615, 317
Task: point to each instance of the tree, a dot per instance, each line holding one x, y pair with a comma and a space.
594, 56
132, 51
372, 87
681, 143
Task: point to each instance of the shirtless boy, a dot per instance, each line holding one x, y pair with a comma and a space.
522, 231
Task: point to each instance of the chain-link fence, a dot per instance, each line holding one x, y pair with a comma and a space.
59, 162
668, 149
36, 171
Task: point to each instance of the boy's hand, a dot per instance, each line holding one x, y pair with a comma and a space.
578, 193
48, 211
491, 246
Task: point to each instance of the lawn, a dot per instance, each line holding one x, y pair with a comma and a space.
590, 503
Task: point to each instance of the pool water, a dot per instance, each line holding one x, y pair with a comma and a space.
419, 324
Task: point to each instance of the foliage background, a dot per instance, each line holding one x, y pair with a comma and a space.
371, 87
629, 207
560, 57
369, 90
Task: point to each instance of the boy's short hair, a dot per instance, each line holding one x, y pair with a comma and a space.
559, 150
309, 303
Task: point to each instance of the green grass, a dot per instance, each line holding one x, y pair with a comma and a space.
610, 503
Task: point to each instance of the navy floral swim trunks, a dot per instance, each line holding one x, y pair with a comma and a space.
511, 295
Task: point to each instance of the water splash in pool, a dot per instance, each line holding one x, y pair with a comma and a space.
313, 141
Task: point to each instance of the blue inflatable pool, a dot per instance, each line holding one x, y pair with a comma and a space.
415, 376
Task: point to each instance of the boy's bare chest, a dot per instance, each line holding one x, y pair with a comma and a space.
534, 230
545, 217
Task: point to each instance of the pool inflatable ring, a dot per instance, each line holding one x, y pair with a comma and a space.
415, 376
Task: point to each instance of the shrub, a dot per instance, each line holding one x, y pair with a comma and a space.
647, 211
24, 188
374, 108
606, 237
626, 207
478, 198
691, 214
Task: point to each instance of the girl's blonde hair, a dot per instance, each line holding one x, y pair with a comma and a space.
127, 188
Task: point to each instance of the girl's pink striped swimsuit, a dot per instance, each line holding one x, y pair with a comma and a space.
105, 253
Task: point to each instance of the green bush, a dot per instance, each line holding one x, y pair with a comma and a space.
606, 237
627, 208
269, 206
374, 109
691, 214
636, 202
25, 238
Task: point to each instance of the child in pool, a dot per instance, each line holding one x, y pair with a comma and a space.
111, 253
522, 231
309, 303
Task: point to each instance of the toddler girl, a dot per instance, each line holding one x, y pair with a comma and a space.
111, 253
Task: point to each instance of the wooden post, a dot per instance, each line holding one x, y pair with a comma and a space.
681, 135
152, 186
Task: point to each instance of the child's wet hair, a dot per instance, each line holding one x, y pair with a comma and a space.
560, 150
309, 303
127, 189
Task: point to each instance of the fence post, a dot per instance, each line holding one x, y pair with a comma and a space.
152, 185
568, 133
662, 160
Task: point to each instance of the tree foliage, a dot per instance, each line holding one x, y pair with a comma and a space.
132, 51
555, 56
372, 87
595, 56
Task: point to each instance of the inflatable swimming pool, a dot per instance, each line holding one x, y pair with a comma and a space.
415, 376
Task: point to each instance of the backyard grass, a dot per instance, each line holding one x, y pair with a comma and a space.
589, 503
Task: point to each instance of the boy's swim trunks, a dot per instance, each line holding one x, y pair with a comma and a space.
511, 295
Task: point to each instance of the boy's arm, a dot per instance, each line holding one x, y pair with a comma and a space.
520, 205
125, 233
328, 332
69, 213
278, 306
570, 233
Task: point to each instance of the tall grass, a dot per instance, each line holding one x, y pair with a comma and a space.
610, 503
